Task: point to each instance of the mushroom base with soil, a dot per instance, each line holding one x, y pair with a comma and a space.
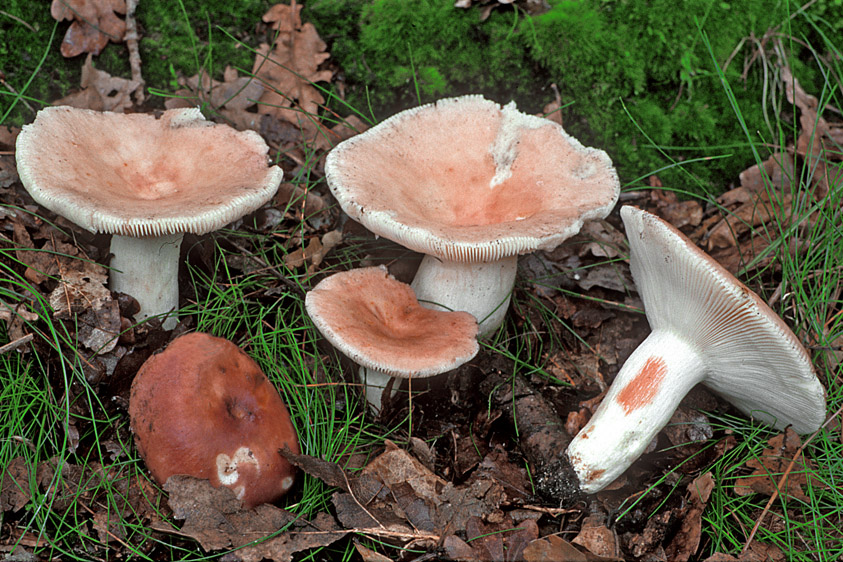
481, 289
147, 269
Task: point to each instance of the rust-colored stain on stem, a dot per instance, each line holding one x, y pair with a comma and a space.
643, 388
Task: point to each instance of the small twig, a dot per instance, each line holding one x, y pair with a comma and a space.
16, 344
784, 476
552, 511
13, 91
17, 19
131, 38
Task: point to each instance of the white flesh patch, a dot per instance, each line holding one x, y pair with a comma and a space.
505, 148
227, 467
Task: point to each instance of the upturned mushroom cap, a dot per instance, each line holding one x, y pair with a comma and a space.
467, 180
204, 408
135, 175
377, 322
752, 358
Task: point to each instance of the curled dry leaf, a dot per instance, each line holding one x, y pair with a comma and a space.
232, 98
101, 91
94, 23
556, 549
687, 540
290, 67
678, 213
595, 536
761, 209
818, 142
315, 251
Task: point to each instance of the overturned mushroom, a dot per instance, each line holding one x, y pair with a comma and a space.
472, 185
377, 322
202, 407
147, 181
707, 327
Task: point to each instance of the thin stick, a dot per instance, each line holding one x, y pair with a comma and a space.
131, 38
16, 344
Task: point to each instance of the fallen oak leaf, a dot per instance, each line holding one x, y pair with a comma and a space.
290, 67
101, 91
94, 23
215, 518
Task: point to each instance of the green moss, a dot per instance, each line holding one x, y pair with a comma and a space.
25, 31
181, 41
618, 63
397, 47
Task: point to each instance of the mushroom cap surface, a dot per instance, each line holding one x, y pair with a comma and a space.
377, 322
752, 358
204, 408
135, 175
465, 179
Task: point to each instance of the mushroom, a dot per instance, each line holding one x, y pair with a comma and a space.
377, 322
707, 327
147, 181
204, 408
471, 185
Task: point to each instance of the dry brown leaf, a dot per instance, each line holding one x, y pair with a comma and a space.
676, 212
349, 127
597, 538
290, 67
769, 468
216, 519
14, 485
94, 23
757, 552
817, 142
687, 540
101, 91
82, 291
315, 251
555, 549
775, 172
761, 209
232, 98
500, 541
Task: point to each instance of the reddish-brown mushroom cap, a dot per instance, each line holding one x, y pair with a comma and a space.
204, 408
376, 321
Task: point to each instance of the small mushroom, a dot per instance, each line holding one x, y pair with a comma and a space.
147, 181
204, 408
377, 322
707, 327
472, 185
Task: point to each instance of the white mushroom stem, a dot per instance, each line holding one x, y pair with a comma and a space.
481, 289
374, 384
147, 269
643, 397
